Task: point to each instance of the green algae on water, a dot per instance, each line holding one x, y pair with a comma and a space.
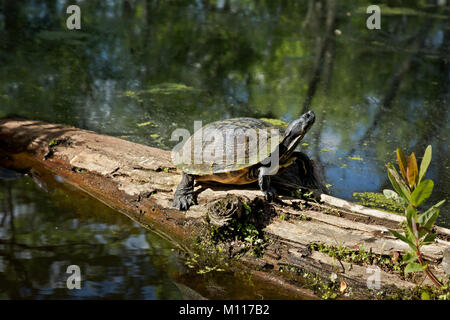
378, 201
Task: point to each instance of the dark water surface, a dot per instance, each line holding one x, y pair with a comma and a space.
47, 225
141, 69
46, 228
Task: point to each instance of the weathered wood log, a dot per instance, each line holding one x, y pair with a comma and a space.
139, 181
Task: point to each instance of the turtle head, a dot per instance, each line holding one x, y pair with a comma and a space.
297, 129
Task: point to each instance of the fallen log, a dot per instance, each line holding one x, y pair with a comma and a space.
139, 181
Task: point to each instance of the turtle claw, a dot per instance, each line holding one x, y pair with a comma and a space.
183, 201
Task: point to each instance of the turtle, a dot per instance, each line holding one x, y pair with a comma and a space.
238, 151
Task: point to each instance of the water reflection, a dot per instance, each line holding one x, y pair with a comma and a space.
44, 232
140, 69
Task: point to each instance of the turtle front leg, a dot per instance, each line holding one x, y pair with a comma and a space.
264, 184
184, 195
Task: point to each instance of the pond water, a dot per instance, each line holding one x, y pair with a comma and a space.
46, 228
47, 225
141, 69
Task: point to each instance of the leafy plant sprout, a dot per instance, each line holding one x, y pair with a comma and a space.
411, 190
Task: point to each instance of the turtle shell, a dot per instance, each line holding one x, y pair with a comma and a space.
228, 145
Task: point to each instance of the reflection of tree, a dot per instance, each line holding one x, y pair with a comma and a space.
434, 122
15, 267
436, 118
62, 230
13, 20
394, 84
324, 50
245, 58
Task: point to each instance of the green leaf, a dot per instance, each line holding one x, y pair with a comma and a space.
425, 295
439, 204
409, 257
411, 171
401, 163
430, 222
398, 235
412, 235
411, 214
404, 239
429, 239
429, 217
423, 231
414, 267
422, 192
425, 162
399, 185
247, 208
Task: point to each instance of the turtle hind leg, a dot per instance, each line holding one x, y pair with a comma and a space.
265, 185
184, 195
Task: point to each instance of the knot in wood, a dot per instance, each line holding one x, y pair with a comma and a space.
221, 212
